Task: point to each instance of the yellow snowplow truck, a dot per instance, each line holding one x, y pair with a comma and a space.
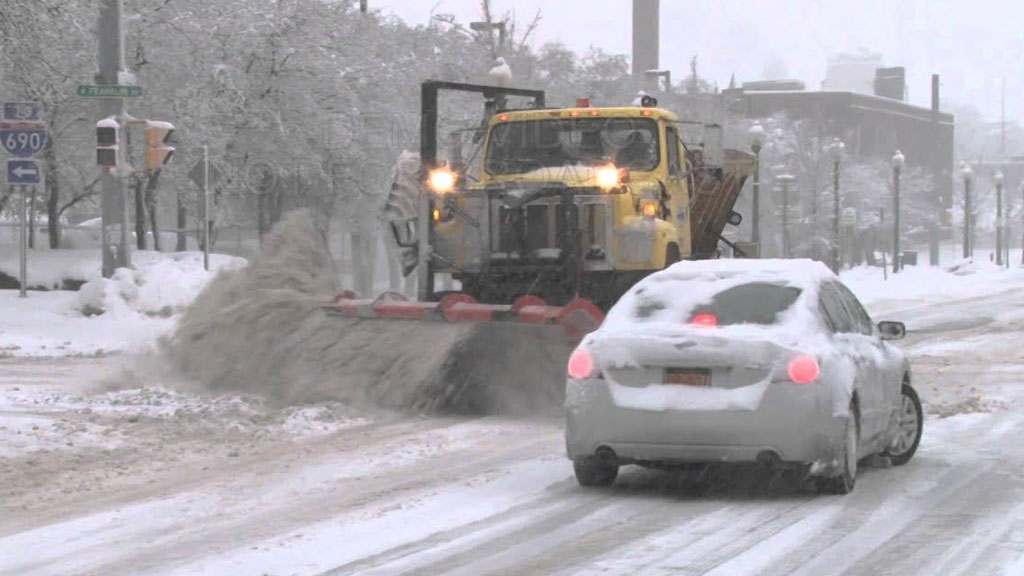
555, 214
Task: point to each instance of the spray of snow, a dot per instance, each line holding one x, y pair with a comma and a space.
265, 329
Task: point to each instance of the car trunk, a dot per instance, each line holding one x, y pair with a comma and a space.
690, 359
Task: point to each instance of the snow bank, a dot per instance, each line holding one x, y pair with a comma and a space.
963, 279
160, 285
127, 312
50, 268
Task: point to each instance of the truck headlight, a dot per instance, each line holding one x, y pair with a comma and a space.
608, 177
442, 180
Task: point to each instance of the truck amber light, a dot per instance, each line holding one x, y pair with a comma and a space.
709, 320
442, 180
608, 177
436, 214
803, 369
650, 210
581, 365
503, 117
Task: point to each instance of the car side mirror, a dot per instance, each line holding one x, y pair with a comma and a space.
735, 218
892, 330
404, 232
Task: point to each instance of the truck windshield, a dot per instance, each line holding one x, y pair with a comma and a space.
524, 146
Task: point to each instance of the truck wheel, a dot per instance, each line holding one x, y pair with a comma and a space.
671, 255
911, 423
592, 471
844, 482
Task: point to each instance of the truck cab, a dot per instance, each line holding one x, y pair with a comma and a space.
562, 203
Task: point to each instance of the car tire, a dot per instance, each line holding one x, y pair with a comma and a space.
845, 481
592, 471
910, 427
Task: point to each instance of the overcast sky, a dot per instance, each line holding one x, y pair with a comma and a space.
973, 44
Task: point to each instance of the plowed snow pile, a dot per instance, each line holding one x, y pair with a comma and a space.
264, 329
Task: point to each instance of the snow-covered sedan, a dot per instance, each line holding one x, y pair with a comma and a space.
767, 361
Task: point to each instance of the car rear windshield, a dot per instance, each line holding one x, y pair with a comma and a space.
749, 303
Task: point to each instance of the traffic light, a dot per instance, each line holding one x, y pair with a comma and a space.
159, 136
107, 143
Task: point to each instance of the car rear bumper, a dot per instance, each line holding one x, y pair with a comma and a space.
796, 423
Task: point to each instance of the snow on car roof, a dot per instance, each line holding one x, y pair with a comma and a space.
669, 297
802, 273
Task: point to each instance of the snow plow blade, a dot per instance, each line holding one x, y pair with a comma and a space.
460, 356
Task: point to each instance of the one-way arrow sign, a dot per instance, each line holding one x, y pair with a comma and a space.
22, 172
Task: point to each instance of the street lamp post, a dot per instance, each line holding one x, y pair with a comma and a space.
998, 179
837, 156
756, 136
968, 175
897, 168
784, 181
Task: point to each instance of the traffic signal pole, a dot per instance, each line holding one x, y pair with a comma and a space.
114, 205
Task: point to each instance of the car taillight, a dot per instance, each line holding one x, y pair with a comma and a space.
581, 365
803, 369
709, 320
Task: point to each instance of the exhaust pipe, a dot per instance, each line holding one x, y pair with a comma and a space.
606, 455
768, 459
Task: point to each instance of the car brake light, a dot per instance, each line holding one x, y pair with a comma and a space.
803, 369
581, 364
709, 320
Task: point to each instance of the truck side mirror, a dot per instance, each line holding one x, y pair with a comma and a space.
404, 232
735, 218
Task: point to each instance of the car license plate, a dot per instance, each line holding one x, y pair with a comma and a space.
688, 377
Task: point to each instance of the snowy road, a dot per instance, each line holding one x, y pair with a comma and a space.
234, 488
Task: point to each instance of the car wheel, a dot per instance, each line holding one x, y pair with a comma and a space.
844, 482
911, 424
592, 471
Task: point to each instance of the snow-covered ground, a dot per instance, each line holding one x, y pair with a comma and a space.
138, 305
106, 474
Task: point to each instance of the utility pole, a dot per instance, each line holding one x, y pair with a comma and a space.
114, 205
23, 245
837, 157
968, 174
897, 168
206, 207
784, 181
937, 170
999, 217
756, 136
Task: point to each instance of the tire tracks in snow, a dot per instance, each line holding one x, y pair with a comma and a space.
277, 456
347, 497
229, 516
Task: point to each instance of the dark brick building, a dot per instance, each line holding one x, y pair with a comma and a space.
871, 126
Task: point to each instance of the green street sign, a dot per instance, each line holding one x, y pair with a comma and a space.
110, 91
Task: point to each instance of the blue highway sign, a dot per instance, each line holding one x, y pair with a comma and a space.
23, 139
22, 111
22, 172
